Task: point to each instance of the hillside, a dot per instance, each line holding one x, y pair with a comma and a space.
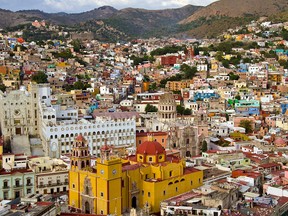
214, 19
9, 18
140, 22
239, 8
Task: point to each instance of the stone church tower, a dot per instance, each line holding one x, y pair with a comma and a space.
167, 108
201, 121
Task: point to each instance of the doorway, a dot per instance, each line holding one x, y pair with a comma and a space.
17, 194
18, 131
87, 207
134, 202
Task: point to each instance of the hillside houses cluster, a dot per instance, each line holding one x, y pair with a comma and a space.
222, 111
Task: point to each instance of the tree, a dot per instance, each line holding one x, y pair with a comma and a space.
150, 108
152, 87
247, 124
180, 109
233, 76
40, 77
189, 72
204, 146
2, 87
238, 97
79, 85
225, 63
187, 111
76, 45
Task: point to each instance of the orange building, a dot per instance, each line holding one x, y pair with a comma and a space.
178, 85
160, 137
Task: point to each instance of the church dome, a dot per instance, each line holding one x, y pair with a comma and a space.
167, 99
150, 148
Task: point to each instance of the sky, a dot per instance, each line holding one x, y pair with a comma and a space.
75, 6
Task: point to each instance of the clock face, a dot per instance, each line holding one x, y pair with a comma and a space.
114, 171
102, 172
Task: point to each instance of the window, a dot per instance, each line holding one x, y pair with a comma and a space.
150, 159
101, 212
101, 194
28, 191
176, 189
142, 192
28, 181
5, 184
170, 173
164, 192
73, 185
122, 183
5, 195
191, 182
149, 194
17, 183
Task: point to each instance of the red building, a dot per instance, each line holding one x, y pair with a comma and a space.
169, 60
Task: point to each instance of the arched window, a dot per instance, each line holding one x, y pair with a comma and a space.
82, 164
87, 190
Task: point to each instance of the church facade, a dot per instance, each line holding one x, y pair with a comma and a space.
116, 185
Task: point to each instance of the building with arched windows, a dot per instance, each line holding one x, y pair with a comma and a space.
117, 185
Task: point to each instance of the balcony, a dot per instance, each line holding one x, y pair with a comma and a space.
18, 186
29, 185
52, 184
6, 187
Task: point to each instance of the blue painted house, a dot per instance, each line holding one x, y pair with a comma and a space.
247, 108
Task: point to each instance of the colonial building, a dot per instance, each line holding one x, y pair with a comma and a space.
19, 111
16, 180
51, 175
60, 124
117, 185
182, 133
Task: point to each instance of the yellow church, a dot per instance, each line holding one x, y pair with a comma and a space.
116, 185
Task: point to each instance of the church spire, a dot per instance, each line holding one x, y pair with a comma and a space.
80, 158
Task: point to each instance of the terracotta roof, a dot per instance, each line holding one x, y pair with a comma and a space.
280, 141
151, 148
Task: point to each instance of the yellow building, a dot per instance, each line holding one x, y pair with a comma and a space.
115, 185
178, 85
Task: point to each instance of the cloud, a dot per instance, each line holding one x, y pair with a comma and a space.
84, 5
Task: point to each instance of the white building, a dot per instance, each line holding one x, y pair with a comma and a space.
51, 175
